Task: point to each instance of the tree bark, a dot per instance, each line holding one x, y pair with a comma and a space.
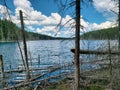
25, 47
77, 46
119, 30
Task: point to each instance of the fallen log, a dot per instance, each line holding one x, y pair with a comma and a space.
22, 70
32, 80
95, 77
96, 52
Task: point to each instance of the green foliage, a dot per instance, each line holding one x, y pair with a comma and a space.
111, 33
25, 88
92, 88
10, 32
96, 88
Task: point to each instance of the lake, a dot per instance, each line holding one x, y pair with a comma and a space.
52, 52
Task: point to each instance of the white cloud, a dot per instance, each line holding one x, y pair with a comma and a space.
31, 28
48, 30
4, 12
84, 23
103, 25
52, 20
67, 21
47, 24
94, 26
106, 7
3, 9
25, 5
33, 16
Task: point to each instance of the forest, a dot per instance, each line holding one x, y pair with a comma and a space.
109, 33
11, 32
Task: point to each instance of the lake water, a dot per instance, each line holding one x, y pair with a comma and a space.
52, 52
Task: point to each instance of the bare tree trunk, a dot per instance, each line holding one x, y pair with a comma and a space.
119, 31
1, 31
25, 46
2, 67
77, 46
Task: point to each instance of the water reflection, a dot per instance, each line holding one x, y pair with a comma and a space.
52, 52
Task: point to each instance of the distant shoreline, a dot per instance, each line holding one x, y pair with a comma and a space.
38, 40
7, 41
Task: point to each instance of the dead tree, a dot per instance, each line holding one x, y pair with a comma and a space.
119, 30
77, 46
25, 46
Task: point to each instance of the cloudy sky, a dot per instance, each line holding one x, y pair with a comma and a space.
48, 17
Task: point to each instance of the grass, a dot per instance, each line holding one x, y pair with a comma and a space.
64, 87
69, 85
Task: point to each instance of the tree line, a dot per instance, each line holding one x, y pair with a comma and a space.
110, 33
10, 32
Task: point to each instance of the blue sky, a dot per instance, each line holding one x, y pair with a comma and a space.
45, 6
92, 15
43, 16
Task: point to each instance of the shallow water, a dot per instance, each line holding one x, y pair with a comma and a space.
52, 52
